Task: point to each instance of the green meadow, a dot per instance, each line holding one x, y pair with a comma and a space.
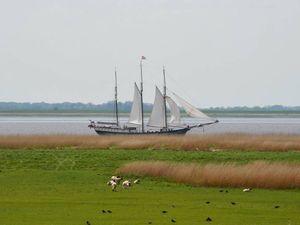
68, 186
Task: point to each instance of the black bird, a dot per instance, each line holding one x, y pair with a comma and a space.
221, 191
233, 203
276, 206
109, 211
103, 211
88, 223
173, 221
207, 202
208, 219
149, 222
226, 191
164, 211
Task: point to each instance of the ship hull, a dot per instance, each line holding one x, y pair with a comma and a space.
181, 131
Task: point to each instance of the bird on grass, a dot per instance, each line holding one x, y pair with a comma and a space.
126, 184
149, 222
208, 219
116, 179
164, 211
109, 211
276, 206
137, 181
88, 223
113, 185
173, 221
247, 189
207, 202
221, 191
233, 203
103, 211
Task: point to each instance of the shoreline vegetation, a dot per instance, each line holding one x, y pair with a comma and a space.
212, 143
258, 174
107, 109
278, 114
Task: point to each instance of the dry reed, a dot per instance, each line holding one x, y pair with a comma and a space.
259, 174
196, 142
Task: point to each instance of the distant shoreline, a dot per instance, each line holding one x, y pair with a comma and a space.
283, 114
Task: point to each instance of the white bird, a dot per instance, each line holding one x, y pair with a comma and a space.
247, 189
116, 178
126, 184
113, 185
137, 181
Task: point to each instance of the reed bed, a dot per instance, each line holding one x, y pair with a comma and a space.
190, 142
258, 174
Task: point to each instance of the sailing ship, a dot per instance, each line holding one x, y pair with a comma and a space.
158, 123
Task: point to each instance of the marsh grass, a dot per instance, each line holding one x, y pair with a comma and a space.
190, 142
259, 174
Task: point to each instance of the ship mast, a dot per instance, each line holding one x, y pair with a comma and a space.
116, 98
165, 94
142, 105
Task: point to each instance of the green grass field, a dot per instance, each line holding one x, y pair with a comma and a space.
68, 186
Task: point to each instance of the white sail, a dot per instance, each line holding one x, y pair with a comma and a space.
191, 110
157, 117
136, 109
174, 111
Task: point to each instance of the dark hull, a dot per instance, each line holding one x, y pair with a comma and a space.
181, 131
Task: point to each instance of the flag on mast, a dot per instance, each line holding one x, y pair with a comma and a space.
143, 58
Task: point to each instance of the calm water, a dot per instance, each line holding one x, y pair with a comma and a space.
78, 125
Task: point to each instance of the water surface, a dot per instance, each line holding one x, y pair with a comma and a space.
18, 125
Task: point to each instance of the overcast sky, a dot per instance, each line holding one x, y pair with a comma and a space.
216, 52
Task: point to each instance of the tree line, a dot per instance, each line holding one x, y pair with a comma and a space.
124, 107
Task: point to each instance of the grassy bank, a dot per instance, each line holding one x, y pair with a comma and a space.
193, 143
68, 186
